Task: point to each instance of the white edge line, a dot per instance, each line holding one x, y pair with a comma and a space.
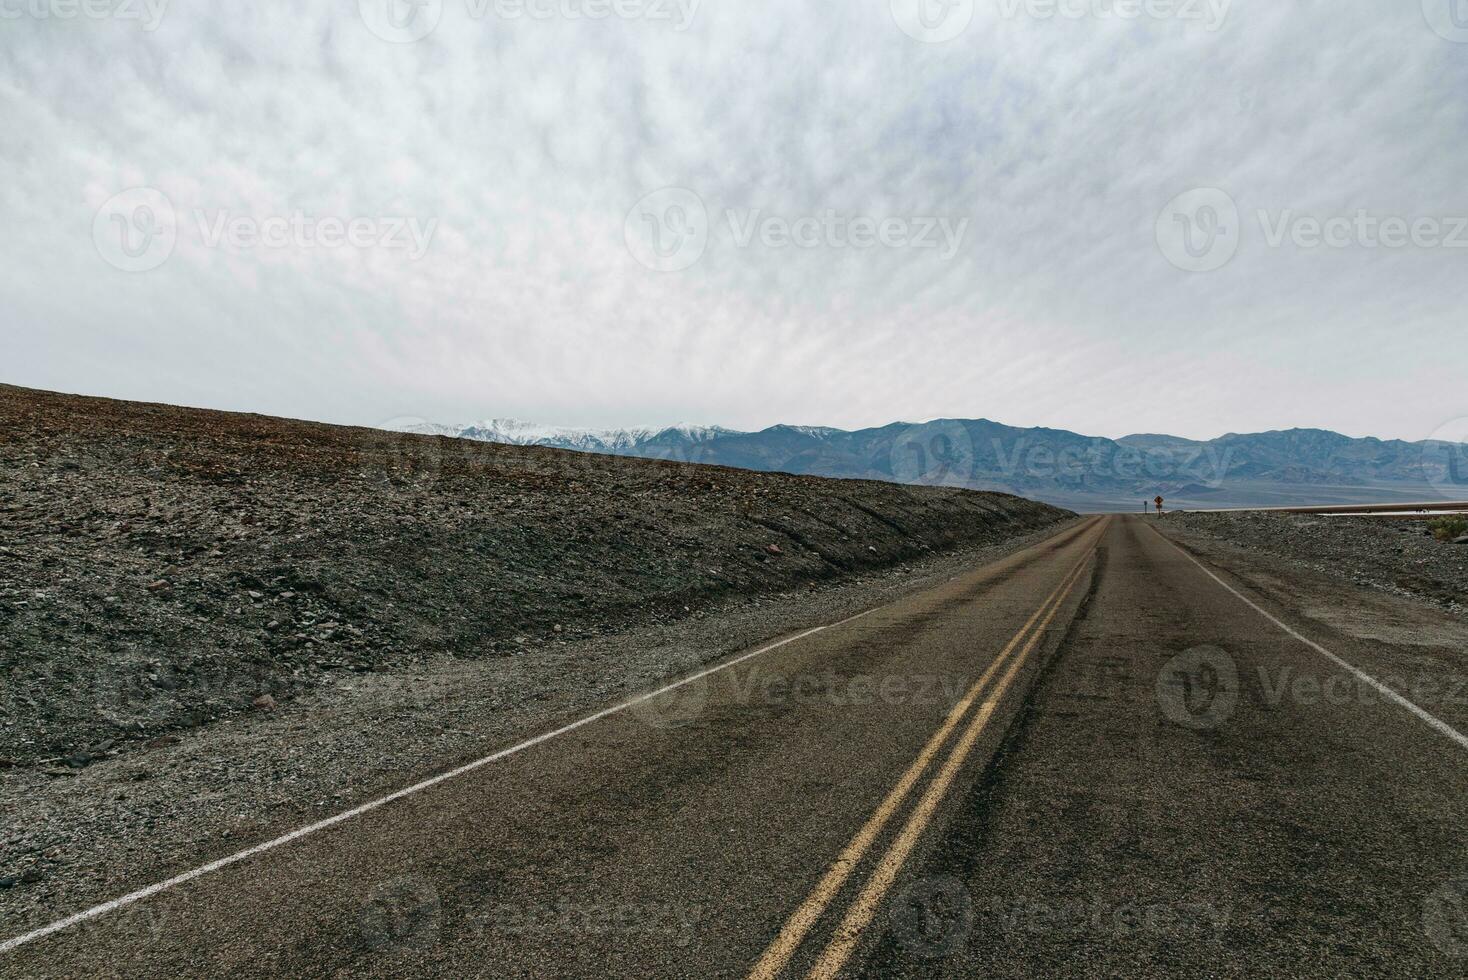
309, 829
1431, 719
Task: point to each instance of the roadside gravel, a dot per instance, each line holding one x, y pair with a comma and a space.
217, 627
162, 569
74, 837
1395, 556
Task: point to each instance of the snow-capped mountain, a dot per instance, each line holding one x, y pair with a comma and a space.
1054, 465
636, 441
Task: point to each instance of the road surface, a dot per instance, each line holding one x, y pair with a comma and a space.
1098, 755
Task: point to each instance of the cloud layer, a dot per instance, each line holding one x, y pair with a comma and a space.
525, 142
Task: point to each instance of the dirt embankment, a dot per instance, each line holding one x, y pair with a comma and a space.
1397, 556
162, 567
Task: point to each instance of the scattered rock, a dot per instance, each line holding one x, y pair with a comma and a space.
1462, 540
269, 546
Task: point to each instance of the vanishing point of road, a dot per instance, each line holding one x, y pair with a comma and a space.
1100, 755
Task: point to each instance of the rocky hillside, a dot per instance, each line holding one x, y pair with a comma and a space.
234, 559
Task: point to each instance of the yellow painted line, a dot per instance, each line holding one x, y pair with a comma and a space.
865, 908
783, 947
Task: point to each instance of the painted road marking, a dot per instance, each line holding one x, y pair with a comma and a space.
144, 893
1437, 723
864, 909
332, 821
785, 944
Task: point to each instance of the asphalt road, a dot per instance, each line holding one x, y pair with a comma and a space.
1089, 757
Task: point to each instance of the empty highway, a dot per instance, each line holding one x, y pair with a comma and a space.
1102, 754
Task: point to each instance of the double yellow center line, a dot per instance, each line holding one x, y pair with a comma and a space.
862, 911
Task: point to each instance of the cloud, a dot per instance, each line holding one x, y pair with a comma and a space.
1059, 140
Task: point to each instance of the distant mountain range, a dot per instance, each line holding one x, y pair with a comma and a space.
1053, 465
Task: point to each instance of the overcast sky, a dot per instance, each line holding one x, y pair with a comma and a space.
993, 223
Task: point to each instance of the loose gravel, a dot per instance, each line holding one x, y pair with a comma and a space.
1396, 556
215, 628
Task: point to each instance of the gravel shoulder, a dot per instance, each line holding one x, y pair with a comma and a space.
82, 836
215, 628
1399, 557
